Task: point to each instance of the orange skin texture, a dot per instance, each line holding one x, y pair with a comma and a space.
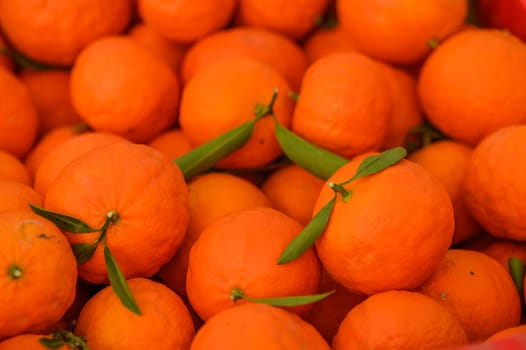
12, 169
399, 31
502, 250
210, 197
406, 112
169, 51
400, 219
67, 151
31, 303
495, 193
54, 32
477, 290
146, 190
173, 143
5, 61
137, 98
327, 314
165, 322
49, 91
344, 104
293, 191
188, 20
294, 19
18, 116
257, 327
17, 196
325, 41
395, 320
448, 161
26, 342
277, 50
47, 142
474, 84
241, 250
223, 96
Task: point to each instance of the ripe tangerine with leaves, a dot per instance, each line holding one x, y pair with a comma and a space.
241, 250
229, 93
388, 230
142, 194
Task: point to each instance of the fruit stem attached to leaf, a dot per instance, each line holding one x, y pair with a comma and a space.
338, 188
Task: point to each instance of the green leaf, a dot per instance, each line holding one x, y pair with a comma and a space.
310, 233
84, 251
375, 164
316, 160
61, 337
118, 282
25, 62
205, 156
516, 268
51, 343
63, 222
289, 301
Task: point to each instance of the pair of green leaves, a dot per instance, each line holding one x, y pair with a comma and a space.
85, 251
306, 238
316, 160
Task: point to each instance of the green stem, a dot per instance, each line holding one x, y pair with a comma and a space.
62, 337
236, 294
338, 188
264, 110
15, 272
112, 217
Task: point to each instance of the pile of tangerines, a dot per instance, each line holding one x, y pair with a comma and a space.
243, 174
